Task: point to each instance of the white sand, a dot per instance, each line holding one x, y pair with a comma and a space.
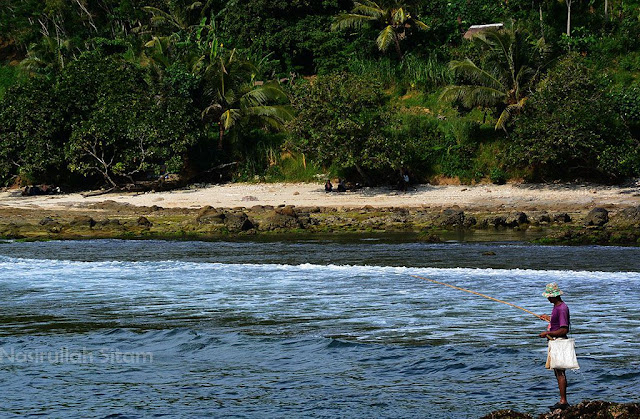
490, 197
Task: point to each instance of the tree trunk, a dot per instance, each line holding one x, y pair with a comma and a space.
397, 43
606, 9
221, 127
568, 17
366, 179
541, 21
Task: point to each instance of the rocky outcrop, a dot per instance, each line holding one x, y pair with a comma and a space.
542, 218
597, 217
516, 219
208, 215
281, 218
129, 222
234, 221
561, 217
507, 414
144, 222
454, 218
51, 225
630, 216
237, 222
82, 221
592, 409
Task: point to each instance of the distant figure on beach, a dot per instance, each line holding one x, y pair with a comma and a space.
328, 187
559, 322
404, 182
341, 186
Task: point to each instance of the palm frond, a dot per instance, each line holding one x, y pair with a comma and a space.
264, 94
474, 73
420, 24
162, 17
472, 96
368, 9
214, 108
350, 20
195, 5
230, 117
385, 38
275, 116
399, 16
508, 113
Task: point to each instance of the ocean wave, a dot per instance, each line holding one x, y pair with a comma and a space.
42, 266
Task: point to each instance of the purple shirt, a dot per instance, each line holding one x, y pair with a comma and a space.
559, 317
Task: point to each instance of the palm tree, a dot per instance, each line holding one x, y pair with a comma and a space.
230, 92
234, 95
568, 3
394, 19
505, 79
181, 16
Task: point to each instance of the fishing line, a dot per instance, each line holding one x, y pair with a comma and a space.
481, 295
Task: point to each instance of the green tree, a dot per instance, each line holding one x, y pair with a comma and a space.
570, 129
32, 134
122, 128
341, 120
503, 80
393, 17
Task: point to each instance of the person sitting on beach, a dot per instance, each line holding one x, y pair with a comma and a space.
328, 187
341, 186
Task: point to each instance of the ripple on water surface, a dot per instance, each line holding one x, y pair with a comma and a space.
322, 329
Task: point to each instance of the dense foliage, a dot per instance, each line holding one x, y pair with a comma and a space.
571, 126
117, 92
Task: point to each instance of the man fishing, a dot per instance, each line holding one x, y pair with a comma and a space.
559, 322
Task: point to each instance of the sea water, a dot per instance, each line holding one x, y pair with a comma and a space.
316, 328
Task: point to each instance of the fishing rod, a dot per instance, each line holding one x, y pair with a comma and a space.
481, 295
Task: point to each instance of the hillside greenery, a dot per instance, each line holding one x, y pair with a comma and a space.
134, 92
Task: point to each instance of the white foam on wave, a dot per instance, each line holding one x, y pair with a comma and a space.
10, 265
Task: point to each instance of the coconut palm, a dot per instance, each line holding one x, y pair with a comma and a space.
393, 17
234, 95
504, 80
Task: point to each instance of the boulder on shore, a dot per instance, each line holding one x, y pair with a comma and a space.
597, 217
454, 218
237, 222
280, 218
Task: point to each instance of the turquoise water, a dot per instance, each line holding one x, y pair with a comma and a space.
306, 328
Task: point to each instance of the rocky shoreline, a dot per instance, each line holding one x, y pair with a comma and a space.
592, 409
111, 219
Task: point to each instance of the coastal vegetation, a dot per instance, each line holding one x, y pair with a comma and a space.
148, 92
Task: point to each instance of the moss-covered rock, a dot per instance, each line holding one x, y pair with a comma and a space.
597, 217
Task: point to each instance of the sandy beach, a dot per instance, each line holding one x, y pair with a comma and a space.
478, 197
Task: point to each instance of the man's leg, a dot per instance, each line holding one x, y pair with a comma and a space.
562, 385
